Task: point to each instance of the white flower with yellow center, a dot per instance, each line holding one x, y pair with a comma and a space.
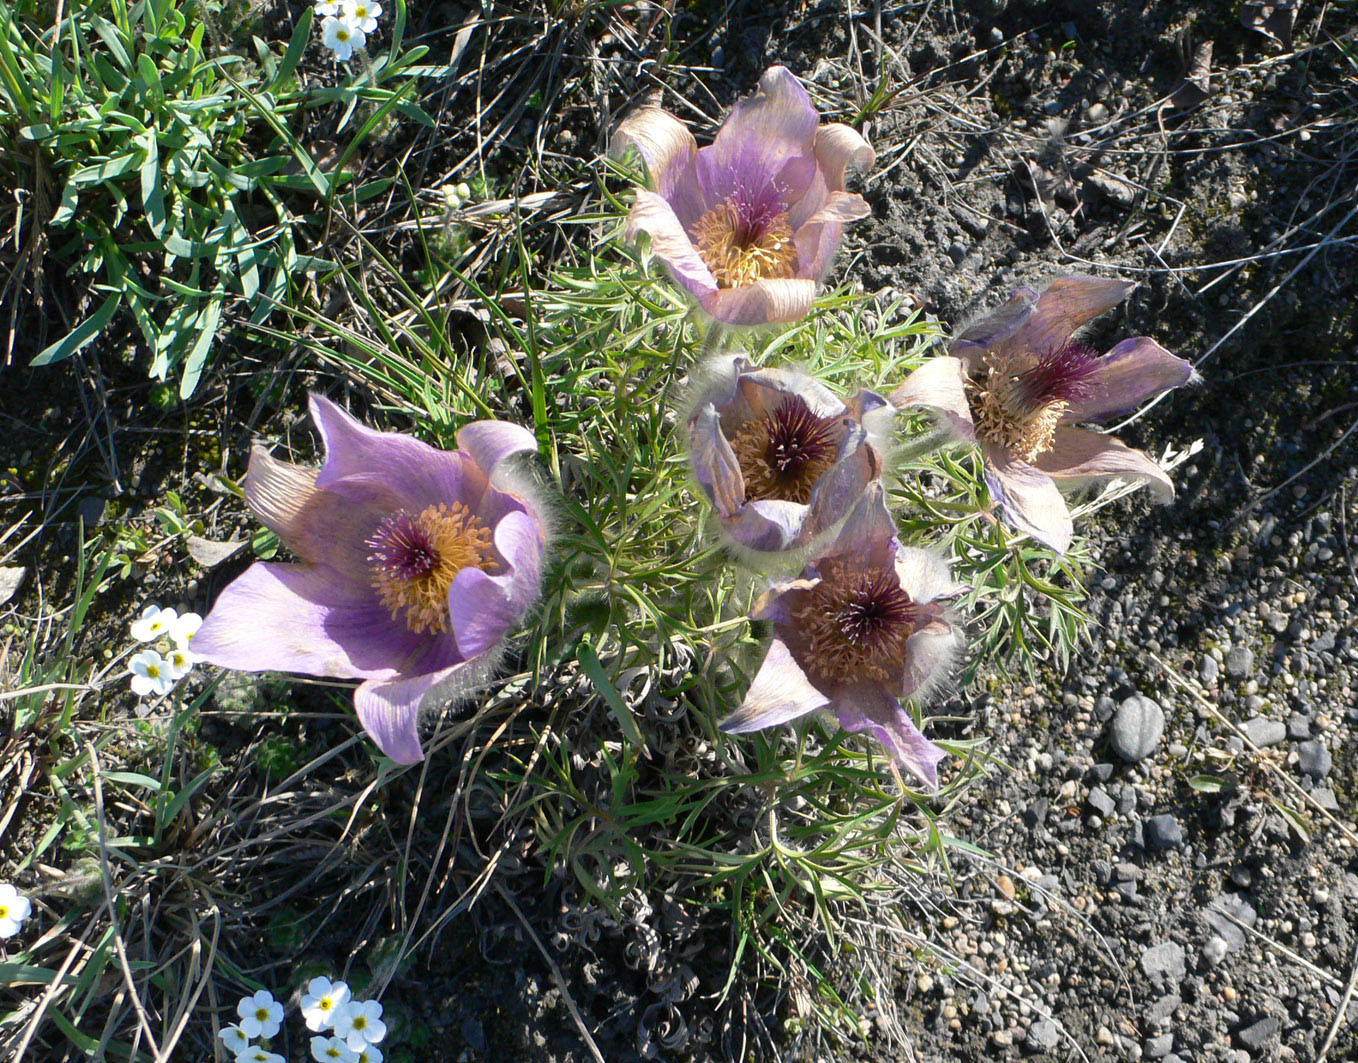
14, 909
183, 627
235, 1040
321, 1001
332, 1050
180, 662
342, 37
360, 1023
362, 13
151, 674
153, 623
369, 1054
260, 1015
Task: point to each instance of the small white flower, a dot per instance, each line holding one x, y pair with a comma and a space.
180, 662
14, 909
183, 628
260, 1015
329, 7
259, 1054
321, 999
235, 1039
153, 622
362, 13
369, 1054
361, 1024
342, 37
332, 1050
151, 674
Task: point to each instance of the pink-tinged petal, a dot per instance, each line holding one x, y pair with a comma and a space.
762, 391
483, 608
490, 442
765, 302
388, 468
1067, 304
842, 485
839, 147
670, 243
995, 330
818, 237
303, 618
867, 707
763, 133
1135, 370
1029, 497
769, 525
925, 576
868, 535
939, 385
783, 601
714, 462
779, 694
390, 711
670, 154
928, 656
1080, 458
317, 526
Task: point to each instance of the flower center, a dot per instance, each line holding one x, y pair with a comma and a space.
415, 559
1020, 411
857, 624
741, 245
4, 911
783, 454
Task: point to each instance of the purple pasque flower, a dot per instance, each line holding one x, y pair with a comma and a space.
866, 624
413, 565
749, 224
1016, 383
779, 456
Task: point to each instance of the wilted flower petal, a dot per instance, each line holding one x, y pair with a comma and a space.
1015, 382
864, 625
415, 563
749, 224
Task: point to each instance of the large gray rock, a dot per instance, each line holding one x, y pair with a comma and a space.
1137, 728
1264, 732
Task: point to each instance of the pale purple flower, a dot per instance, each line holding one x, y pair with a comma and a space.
414, 564
749, 224
779, 456
866, 624
1017, 384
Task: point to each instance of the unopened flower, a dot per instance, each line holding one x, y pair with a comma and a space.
360, 1023
414, 565
780, 458
332, 1050
260, 1015
342, 37
235, 1039
865, 624
154, 623
363, 14
151, 674
1017, 384
320, 1000
749, 224
14, 909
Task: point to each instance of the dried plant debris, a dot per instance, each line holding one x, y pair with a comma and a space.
1272, 20
1197, 84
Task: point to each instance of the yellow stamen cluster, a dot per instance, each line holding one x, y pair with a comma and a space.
738, 254
856, 623
456, 539
1024, 437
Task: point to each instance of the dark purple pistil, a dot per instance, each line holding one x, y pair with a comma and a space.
798, 439
879, 611
402, 548
1064, 375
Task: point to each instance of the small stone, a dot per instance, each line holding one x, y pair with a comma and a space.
1165, 960
1257, 1034
1103, 772
1214, 951
1096, 112
1158, 1047
1042, 1036
1209, 670
1002, 1038
1314, 759
1163, 832
1298, 728
957, 252
1264, 733
1100, 802
1225, 913
1137, 728
1239, 662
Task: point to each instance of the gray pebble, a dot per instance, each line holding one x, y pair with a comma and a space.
1097, 112
957, 252
1163, 832
1209, 669
1165, 960
1314, 759
1219, 917
1158, 1047
1264, 732
1137, 728
1215, 950
1100, 802
1043, 1035
1239, 662
1298, 728
1257, 1034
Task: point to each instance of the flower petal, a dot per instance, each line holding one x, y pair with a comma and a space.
818, 237
868, 536
867, 707
488, 443
387, 468
780, 693
1067, 304
304, 618
1029, 498
1079, 458
765, 302
483, 607
1135, 370
929, 654
670, 243
671, 155
762, 134
769, 525
714, 462
842, 485
839, 147
390, 711
940, 385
